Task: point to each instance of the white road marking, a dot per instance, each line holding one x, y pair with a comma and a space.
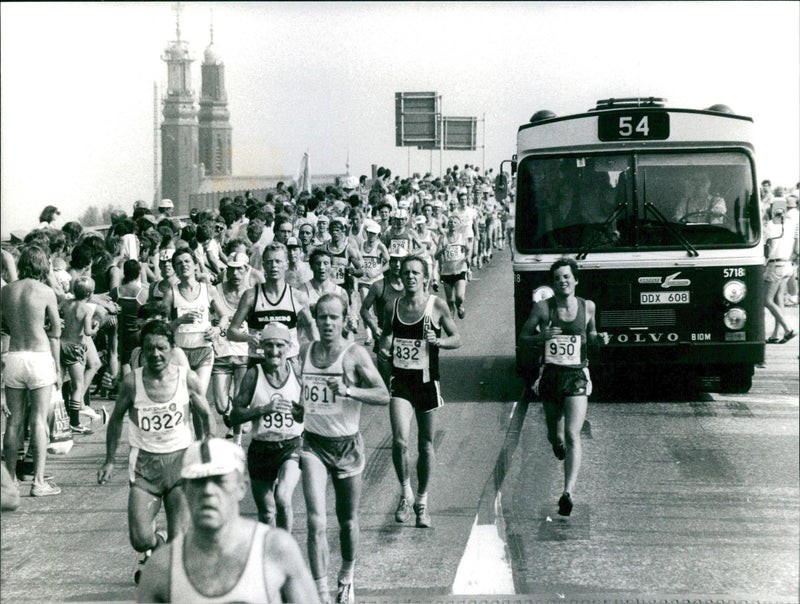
485, 567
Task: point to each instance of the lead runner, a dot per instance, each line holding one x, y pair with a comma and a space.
565, 324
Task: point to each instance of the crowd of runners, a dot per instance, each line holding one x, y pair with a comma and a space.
264, 323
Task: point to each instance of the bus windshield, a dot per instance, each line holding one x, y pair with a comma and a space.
636, 201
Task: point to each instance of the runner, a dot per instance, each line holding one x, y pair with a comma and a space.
413, 334
157, 399
269, 398
381, 296
223, 557
273, 301
338, 376
189, 304
30, 316
566, 324
230, 358
452, 255
375, 259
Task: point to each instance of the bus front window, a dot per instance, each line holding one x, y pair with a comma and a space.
708, 196
570, 202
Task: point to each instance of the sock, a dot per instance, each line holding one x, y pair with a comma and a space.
408, 493
346, 572
322, 588
73, 410
422, 499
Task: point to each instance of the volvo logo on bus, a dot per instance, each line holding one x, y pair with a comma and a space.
668, 281
645, 338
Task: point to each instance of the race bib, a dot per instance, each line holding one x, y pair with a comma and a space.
453, 253
396, 245
196, 325
160, 419
337, 270
370, 265
410, 354
563, 350
318, 398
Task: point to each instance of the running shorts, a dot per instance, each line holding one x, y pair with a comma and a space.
556, 383
423, 396
27, 369
156, 473
227, 365
451, 280
265, 457
343, 456
199, 357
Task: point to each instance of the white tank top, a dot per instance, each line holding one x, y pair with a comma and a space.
251, 586
192, 335
276, 426
160, 427
223, 347
453, 258
327, 414
371, 263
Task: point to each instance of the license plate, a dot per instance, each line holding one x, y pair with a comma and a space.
676, 297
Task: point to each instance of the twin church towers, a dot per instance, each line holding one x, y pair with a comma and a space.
195, 144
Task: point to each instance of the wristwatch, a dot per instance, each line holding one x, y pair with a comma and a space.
347, 391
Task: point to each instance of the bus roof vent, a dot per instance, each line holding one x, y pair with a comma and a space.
720, 108
636, 101
543, 114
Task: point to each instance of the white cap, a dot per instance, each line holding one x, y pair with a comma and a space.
166, 203
212, 457
349, 182
166, 254
372, 227
238, 259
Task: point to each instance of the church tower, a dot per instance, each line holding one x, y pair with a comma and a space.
180, 171
214, 118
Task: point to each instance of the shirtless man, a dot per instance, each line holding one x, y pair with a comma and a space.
30, 315
223, 556
158, 398
338, 376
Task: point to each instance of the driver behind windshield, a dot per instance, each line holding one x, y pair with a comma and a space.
698, 204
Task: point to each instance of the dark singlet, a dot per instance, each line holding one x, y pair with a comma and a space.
265, 311
569, 348
411, 353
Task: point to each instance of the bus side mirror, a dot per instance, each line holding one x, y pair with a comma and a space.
513, 167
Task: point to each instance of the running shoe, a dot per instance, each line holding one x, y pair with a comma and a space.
368, 342
461, 312
423, 516
45, 489
403, 510
89, 412
137, 575
787, 336
81, 429
565, 505
345, 594
560, 450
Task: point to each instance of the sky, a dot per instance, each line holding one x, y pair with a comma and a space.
77, 114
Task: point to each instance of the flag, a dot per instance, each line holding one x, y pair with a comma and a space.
303, 180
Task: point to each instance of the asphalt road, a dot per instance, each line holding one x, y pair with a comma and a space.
678, 500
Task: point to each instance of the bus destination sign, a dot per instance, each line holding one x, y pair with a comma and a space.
633, 125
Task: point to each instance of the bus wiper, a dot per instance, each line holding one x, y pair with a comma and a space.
602, 238
690, 249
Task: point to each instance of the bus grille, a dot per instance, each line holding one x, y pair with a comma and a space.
637, 318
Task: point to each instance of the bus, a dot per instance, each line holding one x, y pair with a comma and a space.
661, 210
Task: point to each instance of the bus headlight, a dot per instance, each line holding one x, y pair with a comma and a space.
735, 319
734, 291
542, 293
